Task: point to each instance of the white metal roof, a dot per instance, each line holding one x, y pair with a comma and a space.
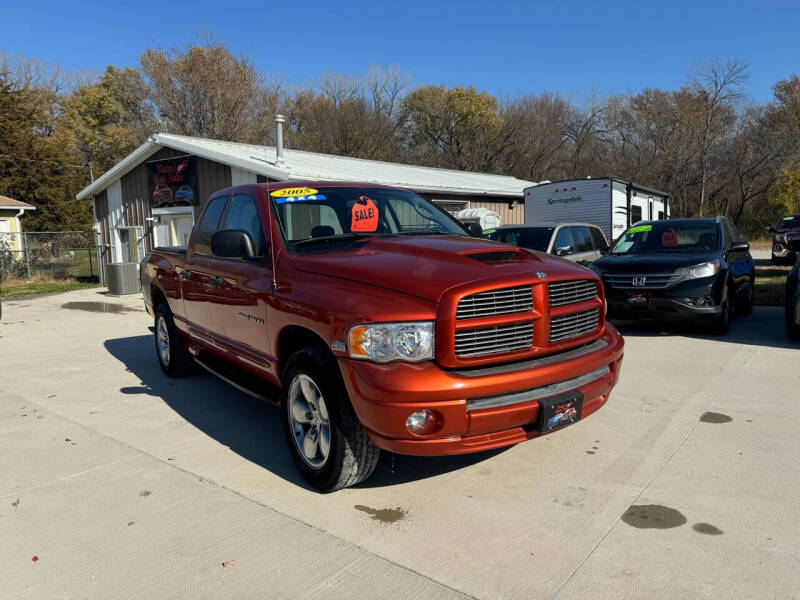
298, 165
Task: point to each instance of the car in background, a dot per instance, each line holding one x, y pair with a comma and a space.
162, 194
679, 270
793, 303
185, 193
578, 242
785, 240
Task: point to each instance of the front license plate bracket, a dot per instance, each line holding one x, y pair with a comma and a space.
559, 411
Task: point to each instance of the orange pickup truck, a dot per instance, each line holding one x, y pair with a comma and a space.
379, 321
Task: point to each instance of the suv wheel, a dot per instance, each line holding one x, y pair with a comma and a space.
171, 351
745, 308
722, 323
327, 442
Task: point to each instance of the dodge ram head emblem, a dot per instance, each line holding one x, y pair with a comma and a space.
541, 275
639, 281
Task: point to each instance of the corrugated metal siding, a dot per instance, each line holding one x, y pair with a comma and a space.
545, 204
211, 176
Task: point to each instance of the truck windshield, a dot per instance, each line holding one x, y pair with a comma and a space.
313, 218
533, 238
668, 236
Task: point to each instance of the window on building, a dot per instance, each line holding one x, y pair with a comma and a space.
243, 215
209, 224
636, 213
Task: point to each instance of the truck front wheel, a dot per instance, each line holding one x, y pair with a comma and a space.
173, 356
327, 442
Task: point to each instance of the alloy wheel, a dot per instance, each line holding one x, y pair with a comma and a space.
309, 422
162, 334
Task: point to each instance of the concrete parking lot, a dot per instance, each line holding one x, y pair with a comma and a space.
116, 482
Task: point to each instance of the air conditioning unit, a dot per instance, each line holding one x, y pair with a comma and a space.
123, 278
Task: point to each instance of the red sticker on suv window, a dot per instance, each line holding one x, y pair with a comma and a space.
669, 239
365, 215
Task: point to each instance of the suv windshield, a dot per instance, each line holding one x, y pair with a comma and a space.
533, 238
668, 236
315, 217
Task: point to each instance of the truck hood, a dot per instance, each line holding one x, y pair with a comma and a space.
427, 266
656, 262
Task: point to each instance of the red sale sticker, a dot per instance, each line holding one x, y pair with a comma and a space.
669, 238
365, 216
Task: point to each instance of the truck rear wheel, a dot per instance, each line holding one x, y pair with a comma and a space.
171, 351
326, 440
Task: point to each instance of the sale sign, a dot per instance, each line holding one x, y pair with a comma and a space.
364, 216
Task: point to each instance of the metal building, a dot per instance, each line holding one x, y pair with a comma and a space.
152, 196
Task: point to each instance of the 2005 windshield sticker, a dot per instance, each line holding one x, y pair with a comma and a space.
365, 216
301, 194
669, 239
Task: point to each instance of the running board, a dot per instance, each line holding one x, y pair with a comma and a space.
242, 388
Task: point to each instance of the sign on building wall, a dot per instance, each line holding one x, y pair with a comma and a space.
172, 181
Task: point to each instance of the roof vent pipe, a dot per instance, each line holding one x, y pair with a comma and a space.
279, 121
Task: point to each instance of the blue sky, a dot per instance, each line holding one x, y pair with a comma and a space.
505, 47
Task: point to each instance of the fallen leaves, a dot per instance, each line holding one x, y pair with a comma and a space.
228, 563
171, 458
145, 493
35, 558
15, 503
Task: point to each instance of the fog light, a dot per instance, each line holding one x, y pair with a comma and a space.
417, 420
700, 301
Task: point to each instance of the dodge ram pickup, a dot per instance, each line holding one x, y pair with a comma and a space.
376, 321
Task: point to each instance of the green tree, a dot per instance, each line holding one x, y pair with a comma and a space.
459, 128
110, 118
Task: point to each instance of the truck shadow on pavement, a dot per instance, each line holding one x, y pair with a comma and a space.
765, 327
251, 427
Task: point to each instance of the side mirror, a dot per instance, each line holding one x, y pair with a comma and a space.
232, 243
605, 250
564, 251
474, 229
771, 229
739, 247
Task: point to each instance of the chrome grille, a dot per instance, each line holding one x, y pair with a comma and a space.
642, 281
570, 326
496, 302
571, 292
494, 340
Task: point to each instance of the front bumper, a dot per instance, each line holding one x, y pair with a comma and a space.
384, 395
666, 304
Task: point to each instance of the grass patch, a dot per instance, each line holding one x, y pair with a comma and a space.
15, 288
770, 285
765, 244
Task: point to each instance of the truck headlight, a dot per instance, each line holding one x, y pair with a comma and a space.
706, 269
385, 342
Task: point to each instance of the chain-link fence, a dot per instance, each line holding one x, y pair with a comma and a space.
48, 255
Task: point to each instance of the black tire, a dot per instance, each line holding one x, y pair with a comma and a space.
351, 456
175, 361
722, 324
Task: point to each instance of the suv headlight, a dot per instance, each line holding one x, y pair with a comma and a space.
385, 342
706, 269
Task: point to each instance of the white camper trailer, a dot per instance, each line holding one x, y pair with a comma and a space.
609, 203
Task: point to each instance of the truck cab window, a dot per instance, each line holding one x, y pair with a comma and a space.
564, 242
243, 215
208, 225
599, 238
583, 239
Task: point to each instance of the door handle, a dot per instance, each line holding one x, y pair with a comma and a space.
216, 279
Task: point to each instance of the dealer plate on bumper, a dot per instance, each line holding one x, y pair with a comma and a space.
559, 411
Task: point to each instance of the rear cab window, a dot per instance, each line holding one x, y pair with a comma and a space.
599, 238
583, 239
